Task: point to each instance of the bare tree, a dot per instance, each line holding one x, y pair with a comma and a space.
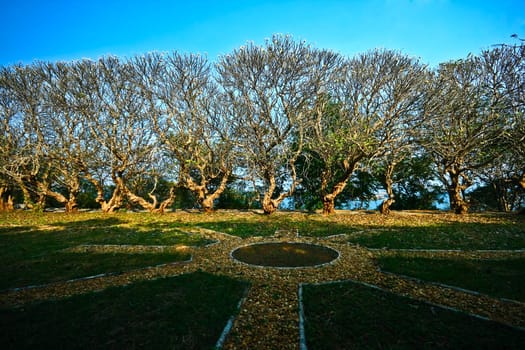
505, 174
368, 114
272, 88
517, 142
121, 127
514, 90
85, 105
65, 135
188, 122
27, 164
8, 142
467, 116
402, 108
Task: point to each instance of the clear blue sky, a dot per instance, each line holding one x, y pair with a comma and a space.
434, 30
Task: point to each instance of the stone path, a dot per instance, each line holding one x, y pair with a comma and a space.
269, 316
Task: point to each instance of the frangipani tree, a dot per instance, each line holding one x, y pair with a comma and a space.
470, 107
190, 126
369, 110
272, 89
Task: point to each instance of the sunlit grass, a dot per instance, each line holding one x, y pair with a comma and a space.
34, 246
38, 248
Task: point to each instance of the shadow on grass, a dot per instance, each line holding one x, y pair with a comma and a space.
503, 278
375, 231
56, 267
352, 316
35, 254
266, 226
184, 312
463, 236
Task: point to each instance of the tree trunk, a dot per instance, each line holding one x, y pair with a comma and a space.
328, 198
328, 204
133, 198
207, 204
388, 182
457, 204
204, 197
500, 189
71, 206
6, 199
269, 205
10, 203
209, 199
167, 202
28, 201
455, 188
114, 203
70, 203
201, 192
74, 189
385, 206
59, 197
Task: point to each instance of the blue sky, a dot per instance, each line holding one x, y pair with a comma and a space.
434, 30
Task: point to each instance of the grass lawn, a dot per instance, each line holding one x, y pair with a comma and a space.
34, 247
184, 312
498, 278
190, 311
59, 266
506, 234
352, 316
397, 231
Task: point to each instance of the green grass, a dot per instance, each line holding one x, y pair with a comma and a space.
32, 245
54, 267
498, 278
423, 231
36, 248
184, 312
504, 235
250, 225
353, 316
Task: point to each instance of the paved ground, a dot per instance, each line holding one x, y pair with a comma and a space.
269, 317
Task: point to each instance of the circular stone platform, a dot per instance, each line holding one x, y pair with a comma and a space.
285, 254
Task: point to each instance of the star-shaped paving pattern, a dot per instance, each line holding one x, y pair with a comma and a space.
269, 314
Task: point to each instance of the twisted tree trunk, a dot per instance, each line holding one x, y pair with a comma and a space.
388, 182
6, 199
107, 206
328, 195
270, 204
204, 197
455, 190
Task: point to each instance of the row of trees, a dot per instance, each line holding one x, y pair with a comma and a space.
283, 118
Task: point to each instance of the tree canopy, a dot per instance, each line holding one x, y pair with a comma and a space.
277, 123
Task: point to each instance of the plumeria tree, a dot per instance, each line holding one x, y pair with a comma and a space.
471, 106
368, 112
272, 88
